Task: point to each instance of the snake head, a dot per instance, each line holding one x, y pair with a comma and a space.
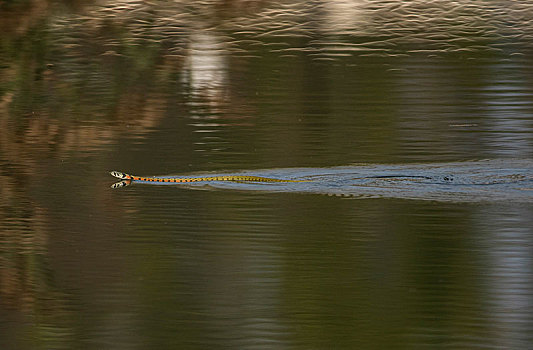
120, 175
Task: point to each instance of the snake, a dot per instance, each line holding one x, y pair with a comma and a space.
127, 179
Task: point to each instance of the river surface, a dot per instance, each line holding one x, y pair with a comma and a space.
411, 123
501, 180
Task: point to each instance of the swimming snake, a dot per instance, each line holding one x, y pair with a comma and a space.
127, 178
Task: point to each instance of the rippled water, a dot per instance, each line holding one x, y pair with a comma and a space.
502, 180
412, 119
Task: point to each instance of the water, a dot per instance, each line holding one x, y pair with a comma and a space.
413, 119
502, 180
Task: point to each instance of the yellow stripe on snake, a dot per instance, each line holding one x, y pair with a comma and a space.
127, 178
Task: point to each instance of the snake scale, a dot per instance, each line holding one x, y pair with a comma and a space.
127, 178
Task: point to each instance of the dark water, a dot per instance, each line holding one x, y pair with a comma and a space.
413, 119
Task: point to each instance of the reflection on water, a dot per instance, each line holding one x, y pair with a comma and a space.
297, 88
509, 274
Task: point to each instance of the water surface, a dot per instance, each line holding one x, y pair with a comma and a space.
414, 119
488, 180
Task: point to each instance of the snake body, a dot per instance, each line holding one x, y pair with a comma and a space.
128, 177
